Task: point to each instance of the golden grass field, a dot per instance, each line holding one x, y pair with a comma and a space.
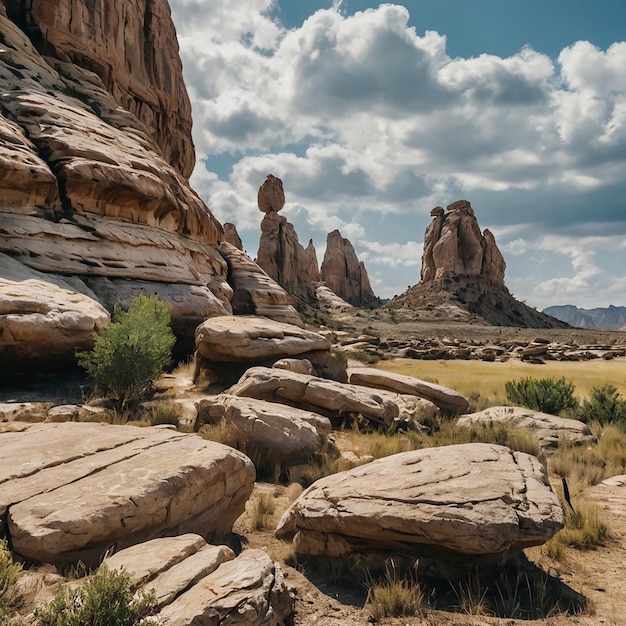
487, 379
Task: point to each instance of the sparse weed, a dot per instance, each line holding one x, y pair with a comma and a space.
159, 413
221, 432
584, 529
10, 573
394, 596
263, 511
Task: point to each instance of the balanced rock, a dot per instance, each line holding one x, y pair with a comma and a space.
269, 433
271, 195
344, 275
71, 491
470, 502
255, 293
550, 430
448, 400
333, 398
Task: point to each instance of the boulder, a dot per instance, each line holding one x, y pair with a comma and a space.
198, 583
247, 591
344, 275
71, 491
271, 195
549, 429
269, 433
299, 366
334, 399
479, 503
448, 400
247, 339
255, 293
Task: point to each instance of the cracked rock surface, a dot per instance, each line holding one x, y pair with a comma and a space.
452, 502
71, 491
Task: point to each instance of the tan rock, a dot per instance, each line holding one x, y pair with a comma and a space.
134, 51
300, 366
550, 430
246, 339
332, 398
73, 490
473, 500
255, 293
448, 400
232, 236
271, 195
344, 275
247, 591
269, 433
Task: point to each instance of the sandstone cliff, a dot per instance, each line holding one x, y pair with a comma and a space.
86, 186
344, 274
280, 254
463, 267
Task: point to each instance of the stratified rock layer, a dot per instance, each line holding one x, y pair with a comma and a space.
70, 491
88, 190
472, 500
344, 274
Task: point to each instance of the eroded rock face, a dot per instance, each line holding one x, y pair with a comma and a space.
255, 293
448, 400
132, 48
478, 501
344, 274
69, 491
549, 429
88, 189
231, 236
454, 245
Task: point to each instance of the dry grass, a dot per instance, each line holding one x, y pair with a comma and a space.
393, 596
468, 376
222, 432
263, 511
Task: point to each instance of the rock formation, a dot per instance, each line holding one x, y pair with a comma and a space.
280, 253
92, 191
231, 236
70, 491
462, 267
472, 504
344, 274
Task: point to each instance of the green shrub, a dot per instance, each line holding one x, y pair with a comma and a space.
604, 405
105, 600
549, 395
131, 352
9, 575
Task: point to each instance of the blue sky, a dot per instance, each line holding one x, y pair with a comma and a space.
374, 114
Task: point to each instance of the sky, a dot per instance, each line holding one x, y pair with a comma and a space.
373, 114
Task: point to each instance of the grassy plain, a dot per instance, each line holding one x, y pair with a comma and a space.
488, 378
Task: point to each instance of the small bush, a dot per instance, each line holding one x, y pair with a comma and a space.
131, 351
9, 575
548, 395
604, 405
105, 600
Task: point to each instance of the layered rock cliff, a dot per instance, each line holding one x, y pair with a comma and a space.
344, 274
463, 267
94, 194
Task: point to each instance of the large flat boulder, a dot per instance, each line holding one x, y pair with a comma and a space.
448, 400
266, 431
549, 429
477, 501
332, 398
248, 339
71, 491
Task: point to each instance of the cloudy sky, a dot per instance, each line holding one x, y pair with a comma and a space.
374, 114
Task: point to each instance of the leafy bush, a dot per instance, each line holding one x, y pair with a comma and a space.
105, 600
549, 395
604, 405
132, 351
9, 575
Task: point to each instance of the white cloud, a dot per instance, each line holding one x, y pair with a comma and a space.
363, 117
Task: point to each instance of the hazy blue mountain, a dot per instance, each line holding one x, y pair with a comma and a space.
601, 318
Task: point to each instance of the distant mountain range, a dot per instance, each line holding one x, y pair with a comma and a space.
601, 318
